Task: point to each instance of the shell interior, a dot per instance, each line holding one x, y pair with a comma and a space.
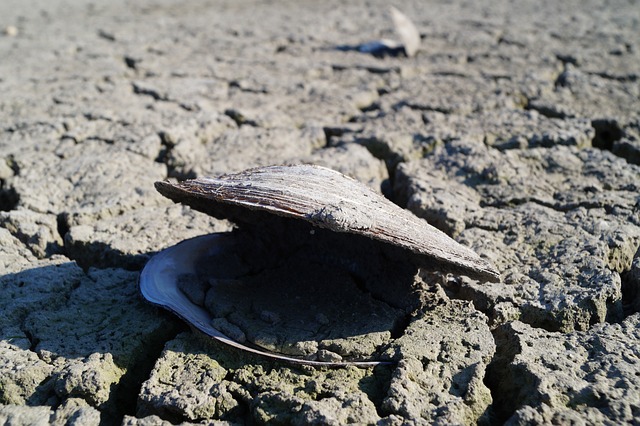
314, 249
159, 284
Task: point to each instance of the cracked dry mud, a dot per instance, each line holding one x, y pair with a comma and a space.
516, 130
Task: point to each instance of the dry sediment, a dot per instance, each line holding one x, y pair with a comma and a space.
515, 130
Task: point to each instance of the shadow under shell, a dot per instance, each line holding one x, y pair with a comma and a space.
315, 294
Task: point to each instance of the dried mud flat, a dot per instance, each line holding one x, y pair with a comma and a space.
516, 130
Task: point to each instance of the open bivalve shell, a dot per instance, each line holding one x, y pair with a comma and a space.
409, 42
295, 221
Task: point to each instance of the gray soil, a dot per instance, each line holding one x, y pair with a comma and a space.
515, 130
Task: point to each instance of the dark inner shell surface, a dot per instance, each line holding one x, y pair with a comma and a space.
320, 267
320, 295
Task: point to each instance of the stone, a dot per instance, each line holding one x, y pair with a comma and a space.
76, 411
37, 231
510, 128
354, 161
72, 412
186, 383
68, 335
579, 212
186, 142
393, 136
246, 147
575, 92
14, 255
102, 296
442, 359
23, 415
43, 284
91, 378
627, 144
127, 240
194, 379
74, 184
589, 376
23, 374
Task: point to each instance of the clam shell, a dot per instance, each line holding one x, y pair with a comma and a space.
258, 198
407, 31
327, 199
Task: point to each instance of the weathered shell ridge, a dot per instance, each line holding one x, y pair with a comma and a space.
329, 199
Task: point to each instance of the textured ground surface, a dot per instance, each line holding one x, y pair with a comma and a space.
516, 130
